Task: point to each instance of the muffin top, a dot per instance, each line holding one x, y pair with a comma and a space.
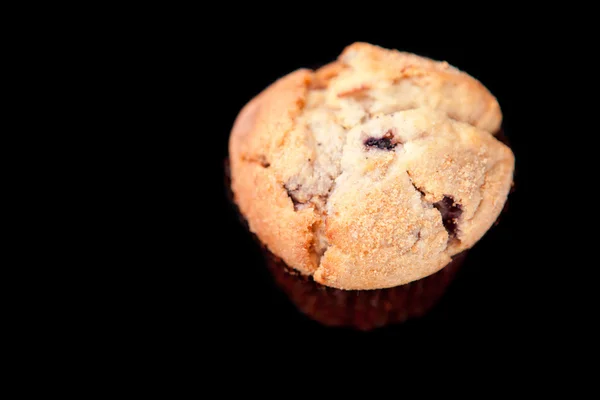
372, 171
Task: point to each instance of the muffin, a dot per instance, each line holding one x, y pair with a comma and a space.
370, 174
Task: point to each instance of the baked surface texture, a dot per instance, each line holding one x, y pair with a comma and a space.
372, 171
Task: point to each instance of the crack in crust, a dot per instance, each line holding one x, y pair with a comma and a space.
418, 189
290, 192
260, 159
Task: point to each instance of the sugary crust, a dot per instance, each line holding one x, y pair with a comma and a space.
383, 228
258, 134
365, 218
420, 82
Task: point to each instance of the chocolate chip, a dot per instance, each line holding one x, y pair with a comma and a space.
383, 143
450, 214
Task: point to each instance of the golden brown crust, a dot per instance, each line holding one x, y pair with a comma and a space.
364, 218
440, 85
258, 133
383, 227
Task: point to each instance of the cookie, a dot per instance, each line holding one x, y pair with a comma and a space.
373, 171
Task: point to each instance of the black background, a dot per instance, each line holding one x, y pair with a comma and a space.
224, 285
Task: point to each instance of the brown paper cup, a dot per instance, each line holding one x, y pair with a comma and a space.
362, 309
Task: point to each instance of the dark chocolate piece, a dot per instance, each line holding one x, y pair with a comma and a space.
383, 143
450, 213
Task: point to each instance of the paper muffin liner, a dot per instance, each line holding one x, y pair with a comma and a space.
362, 309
